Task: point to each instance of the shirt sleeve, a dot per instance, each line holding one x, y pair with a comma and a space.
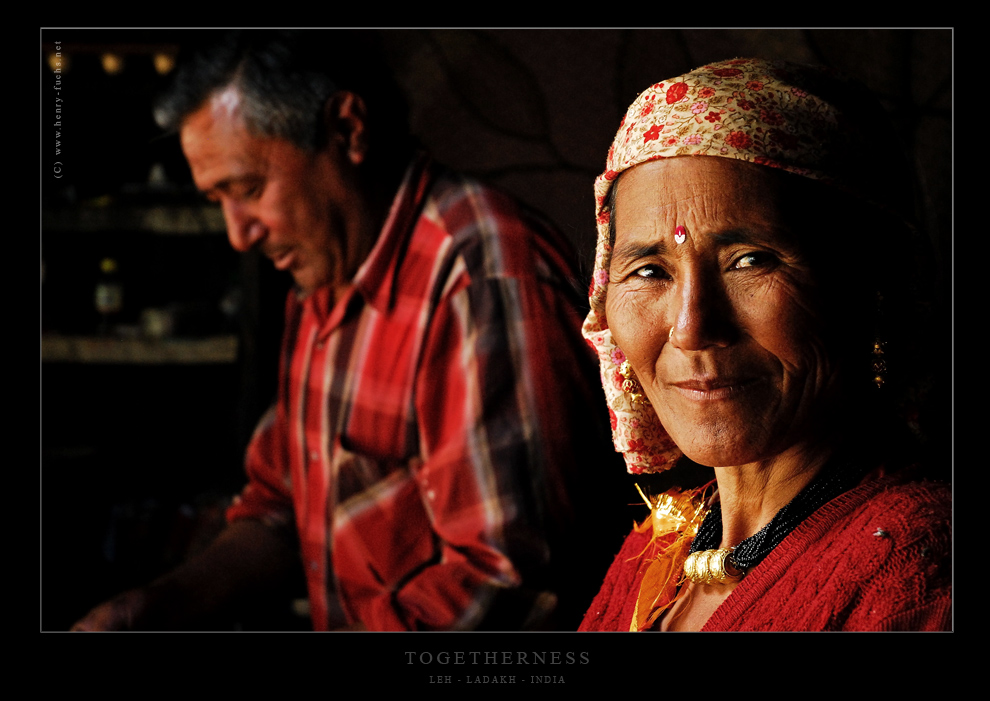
267, 497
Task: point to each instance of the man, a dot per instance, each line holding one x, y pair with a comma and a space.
438, 412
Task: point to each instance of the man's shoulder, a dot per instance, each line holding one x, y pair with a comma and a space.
451, 187
493, 230
466, 206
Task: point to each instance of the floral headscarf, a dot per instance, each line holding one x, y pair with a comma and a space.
802, 119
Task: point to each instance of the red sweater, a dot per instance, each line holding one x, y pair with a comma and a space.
875, 558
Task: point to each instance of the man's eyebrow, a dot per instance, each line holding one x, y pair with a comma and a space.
225, 185
635, 251
219, 186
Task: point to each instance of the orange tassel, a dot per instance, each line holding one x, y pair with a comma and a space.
672, 513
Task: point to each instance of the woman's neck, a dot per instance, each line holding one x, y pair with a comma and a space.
751, 495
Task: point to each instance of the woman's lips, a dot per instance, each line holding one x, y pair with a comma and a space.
713, 388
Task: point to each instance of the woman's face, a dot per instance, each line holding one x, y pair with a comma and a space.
719, 319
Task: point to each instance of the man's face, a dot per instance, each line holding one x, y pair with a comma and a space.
291, 204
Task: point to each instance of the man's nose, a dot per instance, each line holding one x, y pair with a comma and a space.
703, 315
244, 230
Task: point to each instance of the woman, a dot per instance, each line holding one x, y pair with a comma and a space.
739, 305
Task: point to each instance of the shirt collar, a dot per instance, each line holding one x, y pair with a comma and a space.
375, 279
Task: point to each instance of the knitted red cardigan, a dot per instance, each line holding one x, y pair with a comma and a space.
876, 558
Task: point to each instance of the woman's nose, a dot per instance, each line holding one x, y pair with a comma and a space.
703, 316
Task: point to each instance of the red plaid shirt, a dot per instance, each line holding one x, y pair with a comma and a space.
426, 424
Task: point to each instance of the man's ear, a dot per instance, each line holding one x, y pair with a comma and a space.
346, 120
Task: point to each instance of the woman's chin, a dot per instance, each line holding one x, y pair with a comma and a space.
722, 440
720, 455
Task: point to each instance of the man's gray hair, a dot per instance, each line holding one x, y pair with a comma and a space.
284, 79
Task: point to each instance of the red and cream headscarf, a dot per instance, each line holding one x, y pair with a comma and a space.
802, 119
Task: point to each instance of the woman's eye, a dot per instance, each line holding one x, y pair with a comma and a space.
650, 272
751, 260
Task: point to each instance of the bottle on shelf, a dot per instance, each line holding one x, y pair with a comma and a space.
109, 295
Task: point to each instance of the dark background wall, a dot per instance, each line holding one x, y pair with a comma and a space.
130, 449
535, 110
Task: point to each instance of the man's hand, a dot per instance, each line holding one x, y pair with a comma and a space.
119, 613
248, 558
353, 628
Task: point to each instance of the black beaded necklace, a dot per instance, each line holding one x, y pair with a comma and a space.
829, 483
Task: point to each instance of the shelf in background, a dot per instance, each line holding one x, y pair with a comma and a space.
160, 219
138, 351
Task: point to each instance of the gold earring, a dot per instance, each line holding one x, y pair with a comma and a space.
879, 364
630, 385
